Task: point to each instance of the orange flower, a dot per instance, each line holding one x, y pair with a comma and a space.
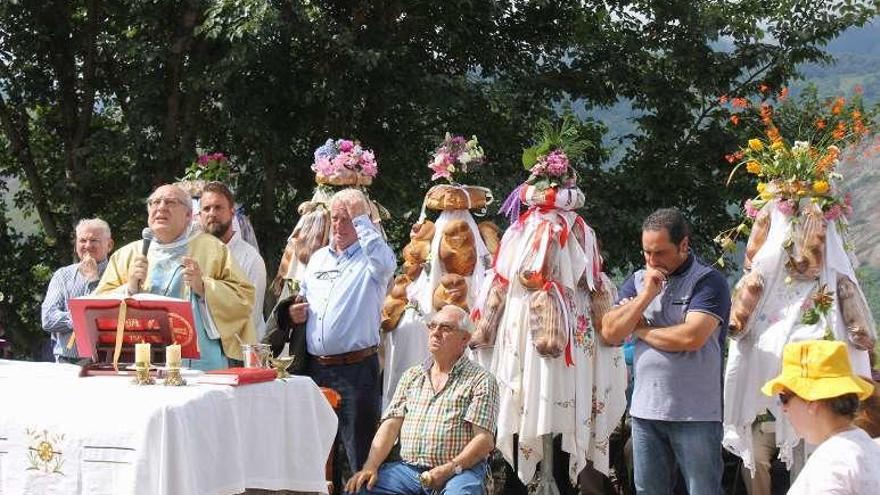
837, 107
734, 119
753, 167
839, 131
858, 89
763, 88
722, 99
740, 102
783, 94
766, 114
730, 157
820, 124
773, 134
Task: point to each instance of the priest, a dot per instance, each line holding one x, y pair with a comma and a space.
174, 260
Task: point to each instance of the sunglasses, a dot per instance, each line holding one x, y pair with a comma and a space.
784, 397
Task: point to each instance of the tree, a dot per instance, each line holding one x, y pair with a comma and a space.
101, 101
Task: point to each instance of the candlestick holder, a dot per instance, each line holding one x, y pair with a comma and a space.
173, 377
142, 374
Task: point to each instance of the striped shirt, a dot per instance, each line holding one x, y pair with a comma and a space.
67, 282
437, 426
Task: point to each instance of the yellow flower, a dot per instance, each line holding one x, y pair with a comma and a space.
777, 145
821, 187
756, 144
754, 167
764, 192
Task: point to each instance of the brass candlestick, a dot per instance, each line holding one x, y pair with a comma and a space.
173, 377
142, 374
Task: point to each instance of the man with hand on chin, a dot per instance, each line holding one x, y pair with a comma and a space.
184, 263
676, 309
444, 413
93, 244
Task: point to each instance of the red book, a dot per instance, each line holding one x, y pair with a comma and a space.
237, 376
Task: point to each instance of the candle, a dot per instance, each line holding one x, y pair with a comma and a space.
172, 356
142, 354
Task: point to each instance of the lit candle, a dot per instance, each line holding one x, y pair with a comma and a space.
142, 353
172, 356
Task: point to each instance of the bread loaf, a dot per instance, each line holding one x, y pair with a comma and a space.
491, 235
447, 197
746, 295
855, 314
453, 289
458, 253
546, 323
757, 237
809, 244
486, 326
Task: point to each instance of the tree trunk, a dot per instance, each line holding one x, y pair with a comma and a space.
15, 126
174, 82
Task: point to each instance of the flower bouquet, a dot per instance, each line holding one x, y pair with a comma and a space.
206, 168
552, 179
796, 176
344, 162
452, 160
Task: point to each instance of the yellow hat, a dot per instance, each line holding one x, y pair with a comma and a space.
817, 369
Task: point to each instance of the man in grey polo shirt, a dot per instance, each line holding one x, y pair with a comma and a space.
676, 309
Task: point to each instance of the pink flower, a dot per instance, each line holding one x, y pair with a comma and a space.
751, 211
324, 167
368, 164
833, 213
557, 163
339, 161
787, 207
345, 145
440, 166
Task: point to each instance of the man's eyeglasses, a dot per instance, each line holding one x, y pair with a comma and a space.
444, 327
327, 275
784, 397
156, 202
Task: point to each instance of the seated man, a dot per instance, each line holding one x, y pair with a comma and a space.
444, 412
187, 264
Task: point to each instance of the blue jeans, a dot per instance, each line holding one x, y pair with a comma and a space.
361, 391
400, 478
695, 446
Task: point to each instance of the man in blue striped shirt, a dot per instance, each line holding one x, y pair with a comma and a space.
93, 244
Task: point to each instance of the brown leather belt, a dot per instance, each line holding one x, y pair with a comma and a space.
352, 357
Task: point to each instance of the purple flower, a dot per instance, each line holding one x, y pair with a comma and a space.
345, 145
369, 167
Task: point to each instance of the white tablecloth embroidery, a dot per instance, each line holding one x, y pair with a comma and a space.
60, 434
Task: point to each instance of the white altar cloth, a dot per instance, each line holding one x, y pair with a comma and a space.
61, 434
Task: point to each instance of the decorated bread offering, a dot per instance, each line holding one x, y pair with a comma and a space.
746, 295
338, 164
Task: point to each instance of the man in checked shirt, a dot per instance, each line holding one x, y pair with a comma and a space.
444, 412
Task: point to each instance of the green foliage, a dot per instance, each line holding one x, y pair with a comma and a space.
102, 101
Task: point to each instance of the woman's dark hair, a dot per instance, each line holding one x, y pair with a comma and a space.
844, 405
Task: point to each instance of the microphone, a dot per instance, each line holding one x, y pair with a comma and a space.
147, 234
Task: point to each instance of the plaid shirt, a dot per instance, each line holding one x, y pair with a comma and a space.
66, 283
437, 427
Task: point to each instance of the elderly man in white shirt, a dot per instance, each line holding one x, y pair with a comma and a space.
217, 211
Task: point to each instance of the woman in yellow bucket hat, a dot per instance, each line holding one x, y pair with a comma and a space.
820, 395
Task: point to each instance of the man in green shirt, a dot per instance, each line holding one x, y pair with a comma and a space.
444, 412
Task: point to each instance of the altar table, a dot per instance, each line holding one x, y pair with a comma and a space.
62, 434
